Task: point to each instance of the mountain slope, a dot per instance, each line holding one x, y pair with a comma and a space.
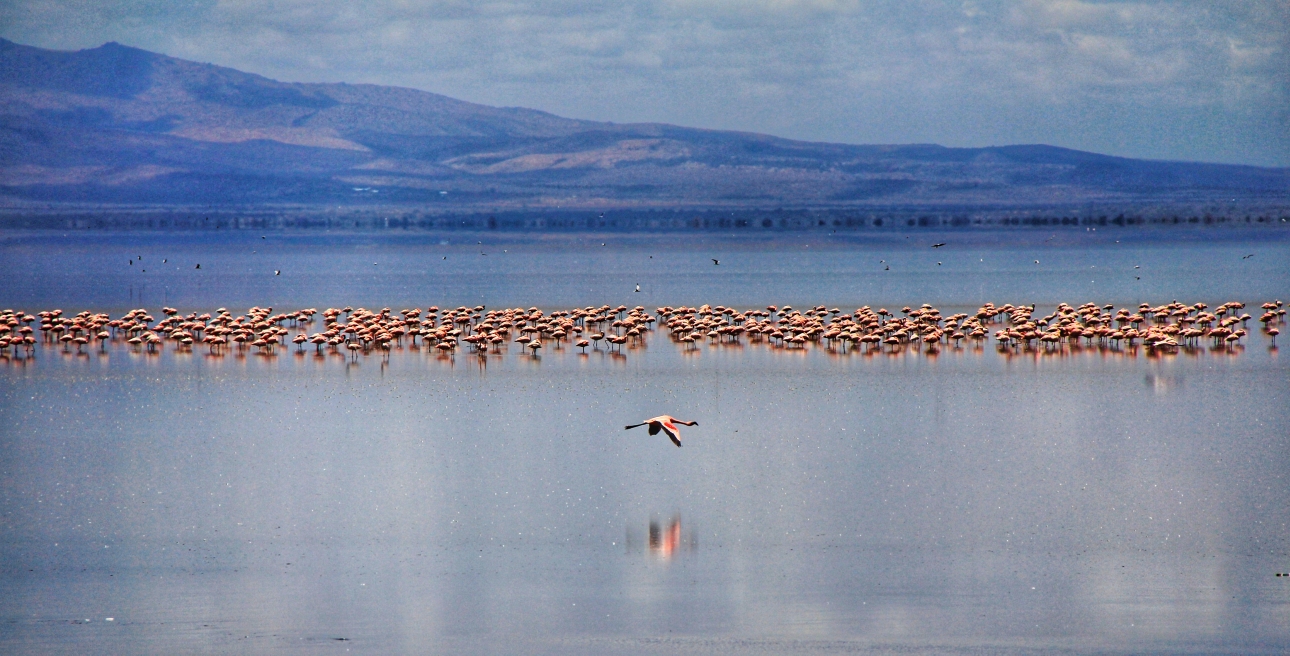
119, 124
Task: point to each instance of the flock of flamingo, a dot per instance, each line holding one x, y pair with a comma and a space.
357, 332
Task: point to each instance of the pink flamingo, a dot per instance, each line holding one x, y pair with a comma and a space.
667, 424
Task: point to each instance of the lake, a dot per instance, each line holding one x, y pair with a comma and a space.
975, 500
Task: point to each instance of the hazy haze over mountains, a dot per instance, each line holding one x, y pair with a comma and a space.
119, 124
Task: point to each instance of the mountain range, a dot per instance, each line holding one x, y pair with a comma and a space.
120, 125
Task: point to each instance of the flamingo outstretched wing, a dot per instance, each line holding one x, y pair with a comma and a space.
673, 433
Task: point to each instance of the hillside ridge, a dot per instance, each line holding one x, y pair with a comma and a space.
117, 124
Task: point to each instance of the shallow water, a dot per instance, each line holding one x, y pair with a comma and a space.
501, 270
968, 501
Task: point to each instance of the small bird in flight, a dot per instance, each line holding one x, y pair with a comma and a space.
938, 245
1248, 256
715, 261
277, 272
638, 287
667, 424
1036, 261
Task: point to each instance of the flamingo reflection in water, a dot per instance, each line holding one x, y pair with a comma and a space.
665, 544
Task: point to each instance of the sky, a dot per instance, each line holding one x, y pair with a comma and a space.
1200, 80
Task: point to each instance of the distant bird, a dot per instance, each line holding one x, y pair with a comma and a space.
886, 268
277, 272
715, 261
938, 264
163, 260
667, 424
1137, 277
638, 288
198, 266
1136, 266
1036, 261
938, 245
1248, 256
262, 237
131, 262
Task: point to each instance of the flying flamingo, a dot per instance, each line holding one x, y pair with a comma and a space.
667, 424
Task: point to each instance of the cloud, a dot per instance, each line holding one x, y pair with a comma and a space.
1193, 79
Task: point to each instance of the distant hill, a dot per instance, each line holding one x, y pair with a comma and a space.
116, 124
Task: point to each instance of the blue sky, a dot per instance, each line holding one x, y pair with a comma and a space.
1190, 80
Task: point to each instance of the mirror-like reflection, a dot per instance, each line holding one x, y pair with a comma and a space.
1085, 498
664, 540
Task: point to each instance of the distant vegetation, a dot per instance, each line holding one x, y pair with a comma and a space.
742, 220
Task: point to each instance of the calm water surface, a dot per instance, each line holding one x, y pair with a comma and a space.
969, 501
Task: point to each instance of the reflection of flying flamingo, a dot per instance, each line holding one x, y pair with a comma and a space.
667, 424
665, 544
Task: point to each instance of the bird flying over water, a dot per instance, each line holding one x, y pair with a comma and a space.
667, 424
715, 261
277, 272
638, 287
938, 245
1248, 256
